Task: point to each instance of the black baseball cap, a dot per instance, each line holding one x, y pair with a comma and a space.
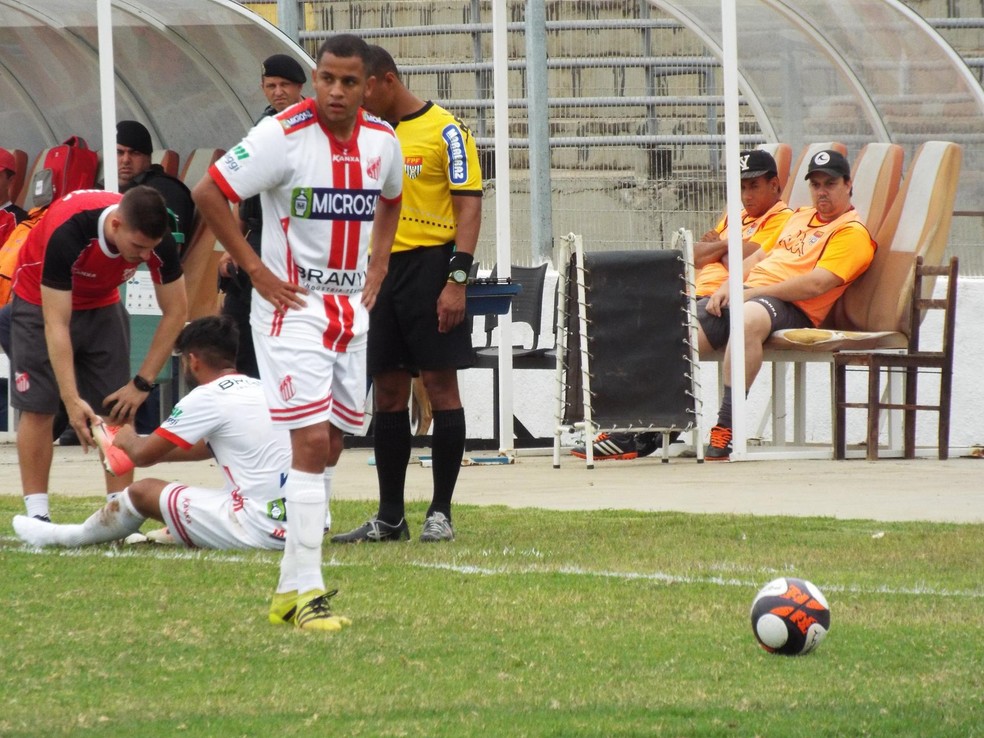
757, 163
281, 65
829, 162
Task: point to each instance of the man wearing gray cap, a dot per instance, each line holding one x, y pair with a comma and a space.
281, 80
819, 253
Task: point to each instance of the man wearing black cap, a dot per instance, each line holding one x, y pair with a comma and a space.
762, 220
281, 80
133, 167
821, 250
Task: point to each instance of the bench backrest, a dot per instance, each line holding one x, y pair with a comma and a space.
796, 193
168, 159
20, 174
918, 224
875, 177
783, 154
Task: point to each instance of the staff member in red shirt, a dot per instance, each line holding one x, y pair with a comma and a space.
70, 335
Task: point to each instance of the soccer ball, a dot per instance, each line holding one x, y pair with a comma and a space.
790, 616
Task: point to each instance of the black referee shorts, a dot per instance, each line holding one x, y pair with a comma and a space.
403, 323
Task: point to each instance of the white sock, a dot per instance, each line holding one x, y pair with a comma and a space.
110, 496
288, 565
36, 504
116, 520
305, 494
328, 476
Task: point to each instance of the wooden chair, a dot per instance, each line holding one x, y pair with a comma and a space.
796, 193
913, 361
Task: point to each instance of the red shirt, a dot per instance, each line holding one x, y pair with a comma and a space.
67, 250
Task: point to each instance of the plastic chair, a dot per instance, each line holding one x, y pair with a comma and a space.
913, 361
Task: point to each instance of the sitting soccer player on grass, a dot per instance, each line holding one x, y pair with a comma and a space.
224, 416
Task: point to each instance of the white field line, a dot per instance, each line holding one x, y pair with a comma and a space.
224, 557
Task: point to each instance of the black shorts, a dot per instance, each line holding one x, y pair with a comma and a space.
403, 323
100, 343
783, 314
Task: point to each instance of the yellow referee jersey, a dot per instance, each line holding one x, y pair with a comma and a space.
440, 159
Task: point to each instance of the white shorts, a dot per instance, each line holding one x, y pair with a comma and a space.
211, 518
306, 384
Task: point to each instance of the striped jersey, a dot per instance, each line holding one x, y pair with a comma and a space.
318, 197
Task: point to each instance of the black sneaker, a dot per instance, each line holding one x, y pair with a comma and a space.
375, 531
610, 446
650, 442
719, 449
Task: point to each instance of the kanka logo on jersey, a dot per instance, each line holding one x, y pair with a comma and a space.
329, 203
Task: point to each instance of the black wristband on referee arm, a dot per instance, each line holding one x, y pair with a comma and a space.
460, 260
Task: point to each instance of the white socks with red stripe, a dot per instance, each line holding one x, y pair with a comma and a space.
300, 568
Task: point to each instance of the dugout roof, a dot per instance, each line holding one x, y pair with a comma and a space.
852, 71
188, 69
811, 70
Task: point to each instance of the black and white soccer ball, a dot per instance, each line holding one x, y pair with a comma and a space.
790, 616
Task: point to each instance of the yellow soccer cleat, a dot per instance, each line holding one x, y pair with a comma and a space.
314, 612
283, 607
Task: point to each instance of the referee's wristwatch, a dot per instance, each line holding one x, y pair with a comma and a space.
142, 384
458, 276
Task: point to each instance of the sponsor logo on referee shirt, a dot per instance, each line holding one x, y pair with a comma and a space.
328, 203
457, 161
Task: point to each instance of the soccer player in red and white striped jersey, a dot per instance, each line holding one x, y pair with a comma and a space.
330, 181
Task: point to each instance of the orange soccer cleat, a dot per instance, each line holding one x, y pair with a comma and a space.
114, 459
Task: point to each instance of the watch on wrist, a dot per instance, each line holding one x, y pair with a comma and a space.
458, 276
142, 384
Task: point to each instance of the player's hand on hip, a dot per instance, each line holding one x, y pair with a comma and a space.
450, 307
282, 295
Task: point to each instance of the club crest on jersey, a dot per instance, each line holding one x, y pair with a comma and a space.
457, 161
373, 167
413, 165
328, 203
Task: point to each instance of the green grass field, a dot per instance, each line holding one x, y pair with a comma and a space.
532, 623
